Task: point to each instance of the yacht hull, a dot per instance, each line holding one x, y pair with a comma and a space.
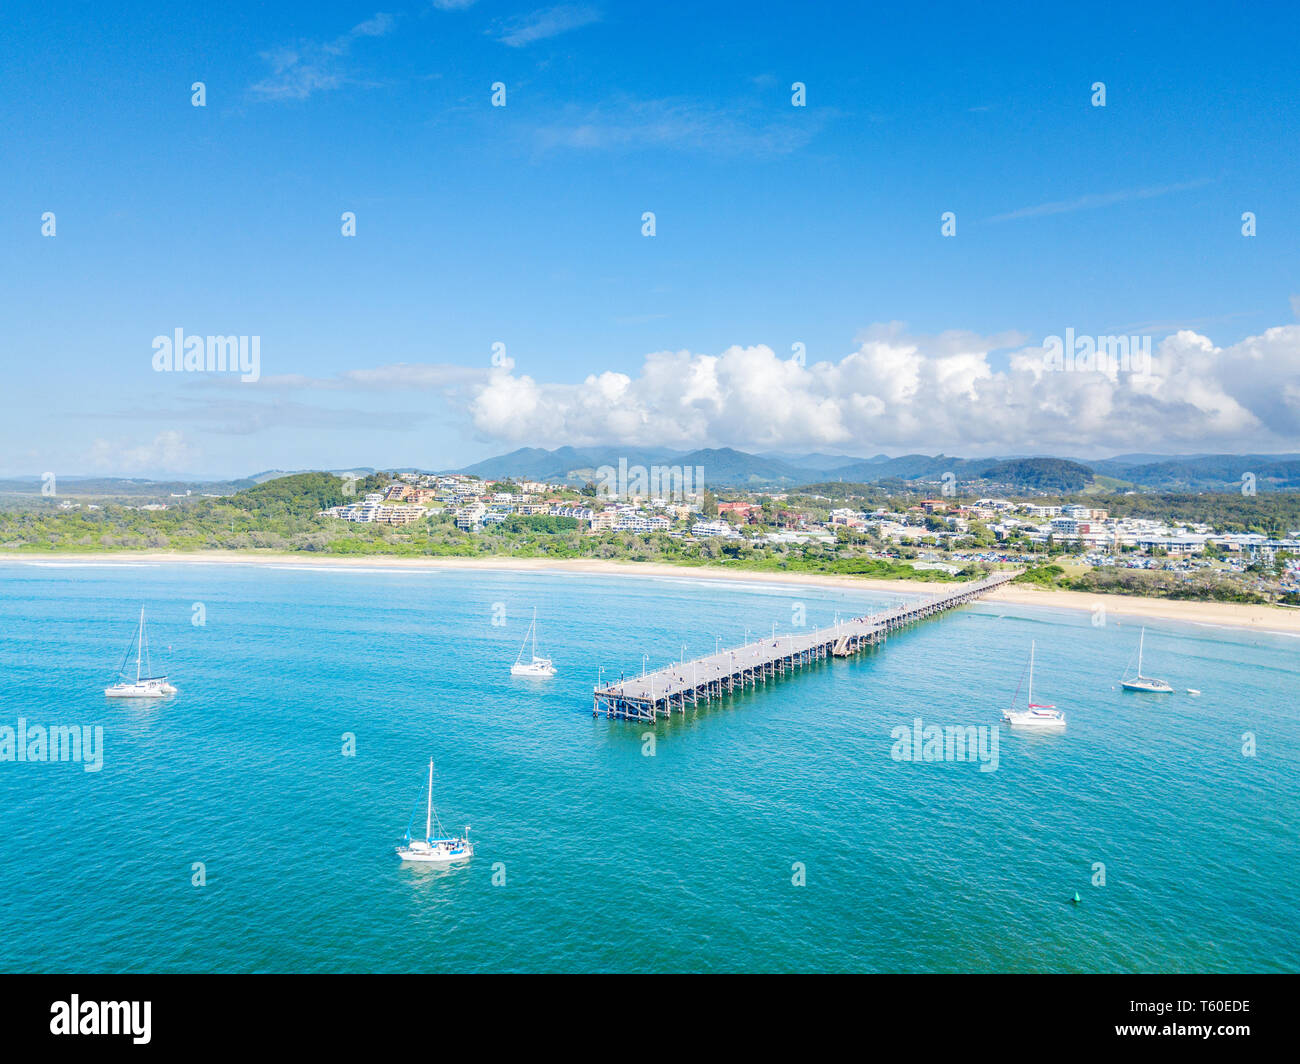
1151, 687
139, 690
434, 856
1032, 723
532, 670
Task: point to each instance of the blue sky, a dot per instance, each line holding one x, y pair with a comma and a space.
775, 225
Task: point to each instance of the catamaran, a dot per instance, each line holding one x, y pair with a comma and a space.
1036, 715
144, 685
537, 666
1145, 683
435, 848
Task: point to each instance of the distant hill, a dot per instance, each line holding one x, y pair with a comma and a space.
726, 467
123, 486
1055, 476
565, 463
1146, 459
1212, 472
819, 461
922, 467
302, 494
722, 465
272, 474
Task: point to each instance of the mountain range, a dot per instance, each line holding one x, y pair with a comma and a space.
725, 467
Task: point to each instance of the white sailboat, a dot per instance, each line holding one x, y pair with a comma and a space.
1145, 683
535, 666
144, 685
435, 848
1037, 716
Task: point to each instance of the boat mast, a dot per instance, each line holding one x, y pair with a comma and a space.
1141, 639
428, 815
139, 645
1031, 672
528, 635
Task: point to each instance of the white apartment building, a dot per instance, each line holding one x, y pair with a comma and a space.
714, 529
641, 523
579, 513
470, 518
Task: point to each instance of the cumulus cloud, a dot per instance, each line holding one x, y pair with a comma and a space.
958, 391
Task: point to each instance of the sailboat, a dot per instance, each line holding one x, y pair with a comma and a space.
434, 849
1145, 683
144, 685
537, 666
1036, 715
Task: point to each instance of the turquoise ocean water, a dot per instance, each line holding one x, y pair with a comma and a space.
613, 860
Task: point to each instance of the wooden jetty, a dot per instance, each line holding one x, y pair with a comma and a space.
673, 688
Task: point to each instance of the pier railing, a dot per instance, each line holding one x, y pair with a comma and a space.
671, 689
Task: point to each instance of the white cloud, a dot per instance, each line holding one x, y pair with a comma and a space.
1098, 199
377, 26
953, 392
627, 124
523, 30
301, 69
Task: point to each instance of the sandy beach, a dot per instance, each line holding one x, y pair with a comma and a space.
1263, 618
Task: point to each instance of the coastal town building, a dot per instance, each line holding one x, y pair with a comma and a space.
579, 513
933, 533
742, 511
470, 518
372, 510
714, 530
